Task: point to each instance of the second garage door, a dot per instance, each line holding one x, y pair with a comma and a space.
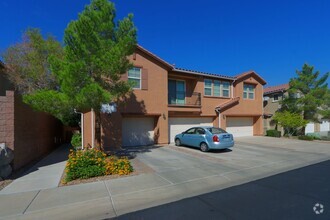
240, 126
178, 125
137, 131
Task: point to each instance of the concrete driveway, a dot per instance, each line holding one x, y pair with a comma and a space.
178, 173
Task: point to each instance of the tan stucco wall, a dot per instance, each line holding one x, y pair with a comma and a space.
140, 103
153, 102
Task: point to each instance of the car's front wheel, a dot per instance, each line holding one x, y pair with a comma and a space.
177, 142
204, 147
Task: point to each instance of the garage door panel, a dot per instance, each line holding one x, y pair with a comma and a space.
137, 131
178, 125
240, 126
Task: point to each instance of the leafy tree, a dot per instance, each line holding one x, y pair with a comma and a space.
83, 76
289, 121
96, 51
28, 62
312, 90
28, 68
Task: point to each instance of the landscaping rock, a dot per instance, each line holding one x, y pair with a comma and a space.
6, 155
5, 171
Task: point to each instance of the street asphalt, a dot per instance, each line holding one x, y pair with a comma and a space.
290, 195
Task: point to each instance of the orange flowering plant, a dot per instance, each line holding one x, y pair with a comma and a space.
83, 164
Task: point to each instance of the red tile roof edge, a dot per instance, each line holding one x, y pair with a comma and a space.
251, 72
229, 102
277, 88
154, 56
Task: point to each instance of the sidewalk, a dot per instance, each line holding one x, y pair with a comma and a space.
176, 176
46, 174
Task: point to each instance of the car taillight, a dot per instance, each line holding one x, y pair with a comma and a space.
215, 138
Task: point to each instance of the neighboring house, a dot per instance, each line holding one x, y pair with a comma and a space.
167, 100
272, 97
28, 133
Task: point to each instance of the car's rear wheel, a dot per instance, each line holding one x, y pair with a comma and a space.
177, 142
204, 147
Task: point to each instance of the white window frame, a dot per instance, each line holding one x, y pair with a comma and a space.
223, 89
220, 86
249, 91
211, 87
132, 77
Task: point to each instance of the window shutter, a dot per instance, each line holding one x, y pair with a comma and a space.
144, 79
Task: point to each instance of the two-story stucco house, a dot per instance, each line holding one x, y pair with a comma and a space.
167, 100
272, 102
273, 96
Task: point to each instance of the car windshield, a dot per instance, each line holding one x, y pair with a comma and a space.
216, 130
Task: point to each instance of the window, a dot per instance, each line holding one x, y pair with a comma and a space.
248, 92
275, 98
176, 92
225, 89
208, 87
190, 131
216, 88
200, 131
216, 130
134, 76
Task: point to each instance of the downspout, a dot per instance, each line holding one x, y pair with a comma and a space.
219, 118
232, 89
82, 130
93, 128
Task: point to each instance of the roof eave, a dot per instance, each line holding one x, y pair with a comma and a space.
203, 74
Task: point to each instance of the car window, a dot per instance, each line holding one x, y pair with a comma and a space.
190, 131
200, 131
216, 130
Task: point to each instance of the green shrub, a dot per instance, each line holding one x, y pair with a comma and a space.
83, 164
306, 137
273, 133
76, 140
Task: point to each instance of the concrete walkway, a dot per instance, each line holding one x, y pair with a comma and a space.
46, 174
178, 173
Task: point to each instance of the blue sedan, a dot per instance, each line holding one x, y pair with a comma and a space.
205, 138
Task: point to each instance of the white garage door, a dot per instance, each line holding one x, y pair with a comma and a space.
178, 125
137, 131
240, 126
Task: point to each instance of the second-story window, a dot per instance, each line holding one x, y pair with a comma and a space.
134, 75
225, 89
216, 88
248, 91
208, 87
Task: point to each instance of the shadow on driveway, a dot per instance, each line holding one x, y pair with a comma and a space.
291, 195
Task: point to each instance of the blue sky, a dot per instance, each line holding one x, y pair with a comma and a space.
273, 37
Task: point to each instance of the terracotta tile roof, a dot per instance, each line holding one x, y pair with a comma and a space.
139, 47
228, 103
170, 66
251, 72
203, 73
277, 88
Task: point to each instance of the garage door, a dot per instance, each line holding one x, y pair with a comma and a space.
137, 131
178, 125
240, 126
